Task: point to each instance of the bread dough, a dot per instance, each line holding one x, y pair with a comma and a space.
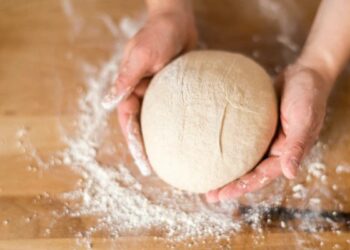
208, 118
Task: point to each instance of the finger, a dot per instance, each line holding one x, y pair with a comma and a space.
136, 146
126, 109
132, 70
212, 196
294, 149
113, 98
132, 105
301, 135
261, 176
128, 113
141, 88
278, 143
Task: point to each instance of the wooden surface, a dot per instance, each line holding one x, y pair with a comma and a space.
39, 87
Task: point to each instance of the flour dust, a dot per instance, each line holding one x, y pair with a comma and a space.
126, 203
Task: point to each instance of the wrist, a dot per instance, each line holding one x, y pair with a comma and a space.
177, 13
325, 78
164, 6
321, 62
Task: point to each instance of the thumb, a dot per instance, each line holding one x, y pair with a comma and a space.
292, 155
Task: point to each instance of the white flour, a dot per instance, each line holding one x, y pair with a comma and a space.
112, 192
125, 205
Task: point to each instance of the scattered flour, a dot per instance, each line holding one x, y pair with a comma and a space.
342, 169
299, 191
287, 17
124, 204
112, 192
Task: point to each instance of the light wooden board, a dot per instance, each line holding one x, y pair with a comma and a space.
39, 87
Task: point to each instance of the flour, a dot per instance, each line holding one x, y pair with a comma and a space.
287, 17
125, 204
342, 169
113, 193
299, 191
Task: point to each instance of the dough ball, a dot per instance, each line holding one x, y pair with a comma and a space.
208, 118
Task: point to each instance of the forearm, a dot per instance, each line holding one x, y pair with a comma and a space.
327, 48
155, 6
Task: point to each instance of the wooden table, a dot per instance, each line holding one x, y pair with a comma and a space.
39, 87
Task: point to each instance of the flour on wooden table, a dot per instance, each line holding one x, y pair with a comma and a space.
112, 191
125, 205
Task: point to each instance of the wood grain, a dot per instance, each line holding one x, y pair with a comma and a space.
39, 86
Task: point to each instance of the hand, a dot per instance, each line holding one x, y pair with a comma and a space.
166, 34
304, 94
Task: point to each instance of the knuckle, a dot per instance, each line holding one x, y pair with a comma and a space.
298, 147
143, 53
149, 57
122, 81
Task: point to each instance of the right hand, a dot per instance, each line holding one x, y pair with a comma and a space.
166, 34
304, 92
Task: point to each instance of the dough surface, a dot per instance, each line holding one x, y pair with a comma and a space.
208, 118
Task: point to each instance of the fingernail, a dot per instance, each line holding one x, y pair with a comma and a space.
292, 171
112, 99
136, 148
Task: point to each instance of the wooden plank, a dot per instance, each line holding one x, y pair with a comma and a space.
41, 80
268, 241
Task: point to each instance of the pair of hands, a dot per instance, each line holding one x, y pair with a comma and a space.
303, 96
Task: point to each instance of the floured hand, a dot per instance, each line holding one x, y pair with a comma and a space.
168, 32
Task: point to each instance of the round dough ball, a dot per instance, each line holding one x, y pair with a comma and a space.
208, 118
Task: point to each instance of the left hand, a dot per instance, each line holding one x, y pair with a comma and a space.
168, 32
304, 94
